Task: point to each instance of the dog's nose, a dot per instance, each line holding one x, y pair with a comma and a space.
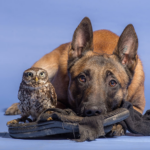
93, 111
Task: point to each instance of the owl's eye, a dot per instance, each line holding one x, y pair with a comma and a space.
29, 74
42, 74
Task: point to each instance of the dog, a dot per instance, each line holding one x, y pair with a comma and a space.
95, 72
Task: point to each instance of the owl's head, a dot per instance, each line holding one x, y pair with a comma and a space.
35, 76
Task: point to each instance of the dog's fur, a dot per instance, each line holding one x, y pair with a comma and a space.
96, 71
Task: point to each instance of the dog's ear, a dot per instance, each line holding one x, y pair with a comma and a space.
82, 39
126, 49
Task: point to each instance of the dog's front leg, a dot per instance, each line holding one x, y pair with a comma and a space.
13, 110
117, 130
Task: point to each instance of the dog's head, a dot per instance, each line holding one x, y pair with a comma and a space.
99, 83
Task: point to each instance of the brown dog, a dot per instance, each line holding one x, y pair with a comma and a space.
96, 71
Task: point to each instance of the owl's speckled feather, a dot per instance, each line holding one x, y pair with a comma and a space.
36, 96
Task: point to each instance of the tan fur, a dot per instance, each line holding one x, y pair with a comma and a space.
104, 41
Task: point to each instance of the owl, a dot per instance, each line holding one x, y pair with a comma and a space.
36, 93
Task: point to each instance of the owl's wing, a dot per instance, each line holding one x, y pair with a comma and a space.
53, 95
19, 95
20, 92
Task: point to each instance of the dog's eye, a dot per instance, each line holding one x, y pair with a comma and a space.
112, 83
82, 78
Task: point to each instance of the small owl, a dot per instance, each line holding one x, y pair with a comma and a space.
36, 93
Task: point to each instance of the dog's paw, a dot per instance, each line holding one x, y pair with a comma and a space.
117, 130
13, 110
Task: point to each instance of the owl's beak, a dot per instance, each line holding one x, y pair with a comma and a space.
36, 79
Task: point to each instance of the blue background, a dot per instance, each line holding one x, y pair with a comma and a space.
31, 28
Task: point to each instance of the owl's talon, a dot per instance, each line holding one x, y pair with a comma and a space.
12, 122
50, 118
